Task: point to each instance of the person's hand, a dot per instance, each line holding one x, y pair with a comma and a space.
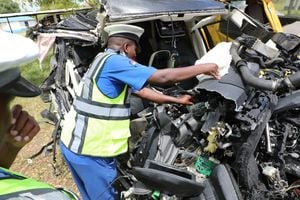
24, 127
212, 70
185, 99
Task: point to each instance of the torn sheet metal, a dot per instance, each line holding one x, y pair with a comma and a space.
230, 86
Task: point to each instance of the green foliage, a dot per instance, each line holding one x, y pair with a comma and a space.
9, 6
93, 3
54, 4
34, 73
57, 4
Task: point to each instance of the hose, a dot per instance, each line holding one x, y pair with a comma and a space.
293, 81
247, 76
274, 61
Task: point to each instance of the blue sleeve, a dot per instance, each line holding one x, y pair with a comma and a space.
121, 68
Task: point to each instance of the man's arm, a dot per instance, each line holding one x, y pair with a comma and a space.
154, 96
22, 131
168, 76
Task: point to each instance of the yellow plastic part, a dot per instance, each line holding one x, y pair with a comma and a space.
212, 145
272, 16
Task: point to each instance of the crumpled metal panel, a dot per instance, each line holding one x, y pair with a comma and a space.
119, 10
230, 86
167, 151
288, 102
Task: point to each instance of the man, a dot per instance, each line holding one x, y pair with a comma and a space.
17, 127
97, 127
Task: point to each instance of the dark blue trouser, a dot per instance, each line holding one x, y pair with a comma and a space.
92, 175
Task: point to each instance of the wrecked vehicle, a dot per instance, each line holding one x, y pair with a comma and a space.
240, 140
242, 133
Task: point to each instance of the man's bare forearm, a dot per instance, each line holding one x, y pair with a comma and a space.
169, 76
156, 97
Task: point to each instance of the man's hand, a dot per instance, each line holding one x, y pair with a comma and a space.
210, 69
185, 99
24, 127
160, 98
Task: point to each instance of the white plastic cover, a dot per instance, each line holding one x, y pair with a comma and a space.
219, 55
15, 50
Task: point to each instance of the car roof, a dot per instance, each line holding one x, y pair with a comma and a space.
136, 9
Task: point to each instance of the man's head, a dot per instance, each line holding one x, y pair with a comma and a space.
124, 38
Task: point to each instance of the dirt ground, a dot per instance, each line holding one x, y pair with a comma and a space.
41, 168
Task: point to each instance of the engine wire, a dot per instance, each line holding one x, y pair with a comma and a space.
294, 185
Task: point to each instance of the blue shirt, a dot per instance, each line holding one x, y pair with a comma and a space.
119, 71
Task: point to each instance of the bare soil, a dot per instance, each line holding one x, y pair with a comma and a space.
42, 167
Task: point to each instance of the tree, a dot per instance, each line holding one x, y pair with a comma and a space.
53, 4
60, 4
9, 6
92, 3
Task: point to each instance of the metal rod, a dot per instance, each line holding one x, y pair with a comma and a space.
9, 25
268, 139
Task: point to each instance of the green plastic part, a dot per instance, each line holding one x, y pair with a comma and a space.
204, 166
155, 195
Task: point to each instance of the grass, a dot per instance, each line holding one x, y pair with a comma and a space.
34, 73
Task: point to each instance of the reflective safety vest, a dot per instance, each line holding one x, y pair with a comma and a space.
14, 186
97, 125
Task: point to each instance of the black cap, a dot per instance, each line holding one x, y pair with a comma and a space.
12, 83
129, 36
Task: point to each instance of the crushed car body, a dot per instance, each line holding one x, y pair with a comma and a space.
240, 139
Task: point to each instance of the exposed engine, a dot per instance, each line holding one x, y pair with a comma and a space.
253, 130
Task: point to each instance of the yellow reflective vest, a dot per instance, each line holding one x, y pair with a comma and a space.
97, 125
16, 187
